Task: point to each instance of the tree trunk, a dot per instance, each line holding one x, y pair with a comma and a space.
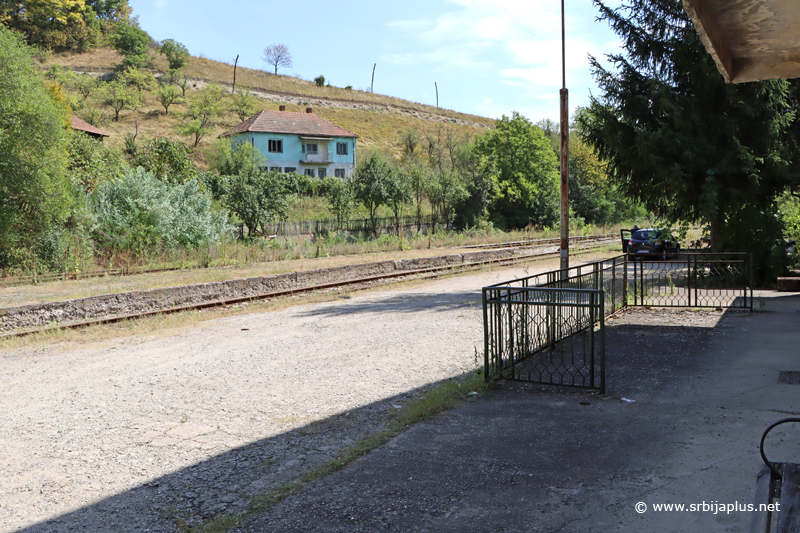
716, 233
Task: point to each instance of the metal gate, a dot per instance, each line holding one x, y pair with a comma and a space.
550, 328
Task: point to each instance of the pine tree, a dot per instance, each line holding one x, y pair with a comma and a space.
688, 146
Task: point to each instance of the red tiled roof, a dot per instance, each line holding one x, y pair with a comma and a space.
78, 124
288, 122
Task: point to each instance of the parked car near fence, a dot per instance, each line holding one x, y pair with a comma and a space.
656, 243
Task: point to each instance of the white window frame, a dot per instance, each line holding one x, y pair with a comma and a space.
339, 173
309, 172
278, 145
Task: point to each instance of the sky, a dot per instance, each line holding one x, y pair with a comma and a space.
488, 57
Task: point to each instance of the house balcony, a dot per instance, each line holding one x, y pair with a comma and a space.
318, 158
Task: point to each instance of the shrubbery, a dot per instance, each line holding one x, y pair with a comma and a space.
138, 212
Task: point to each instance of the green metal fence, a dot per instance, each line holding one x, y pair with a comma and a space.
550, 328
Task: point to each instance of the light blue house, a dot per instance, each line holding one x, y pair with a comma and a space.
299, 142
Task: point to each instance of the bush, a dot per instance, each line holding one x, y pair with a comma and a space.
168, 160
140, 213
91, 161
320, 81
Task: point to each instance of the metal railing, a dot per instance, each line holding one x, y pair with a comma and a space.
317, 157
550, 328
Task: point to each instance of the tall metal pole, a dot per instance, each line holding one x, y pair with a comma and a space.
564, 152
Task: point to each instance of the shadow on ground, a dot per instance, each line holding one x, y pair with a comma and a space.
523, 458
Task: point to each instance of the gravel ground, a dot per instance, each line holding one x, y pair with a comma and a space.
128, 435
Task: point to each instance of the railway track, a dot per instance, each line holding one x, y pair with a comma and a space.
581, 245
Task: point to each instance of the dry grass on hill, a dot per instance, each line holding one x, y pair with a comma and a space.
378, 126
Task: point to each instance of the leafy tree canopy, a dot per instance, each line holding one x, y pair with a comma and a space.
167, 160
518, 157
132, 42
34, 189
177, 54
688, 146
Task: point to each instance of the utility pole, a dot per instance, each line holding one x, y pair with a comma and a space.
437, 94
564, 153
372, 83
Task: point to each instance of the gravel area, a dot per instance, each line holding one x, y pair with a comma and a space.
130, 434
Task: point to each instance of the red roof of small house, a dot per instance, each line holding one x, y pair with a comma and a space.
287, 122
78, 124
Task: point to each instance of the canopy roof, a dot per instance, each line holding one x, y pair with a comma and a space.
750, 40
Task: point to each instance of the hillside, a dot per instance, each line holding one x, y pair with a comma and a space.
379, 120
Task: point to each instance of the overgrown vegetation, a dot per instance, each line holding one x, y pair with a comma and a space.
448, 178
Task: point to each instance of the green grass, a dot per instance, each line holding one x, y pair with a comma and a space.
438, 398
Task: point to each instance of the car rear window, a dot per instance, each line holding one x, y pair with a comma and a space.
642, 235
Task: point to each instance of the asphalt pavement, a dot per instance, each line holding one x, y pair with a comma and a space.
689, 394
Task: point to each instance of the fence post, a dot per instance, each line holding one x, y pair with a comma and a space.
602, 346
625, 281
486, 371
750, 268
511, 332
592, 298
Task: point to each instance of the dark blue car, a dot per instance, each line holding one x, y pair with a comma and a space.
656, 243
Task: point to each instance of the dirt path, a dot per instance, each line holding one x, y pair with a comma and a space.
121, 436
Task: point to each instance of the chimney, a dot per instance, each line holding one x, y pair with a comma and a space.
282, 108
309, 110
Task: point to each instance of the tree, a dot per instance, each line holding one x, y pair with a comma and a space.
34, 188
91, 161
445, 191
168, 95
229, 158
177, 54
83, 84
410, 141
371, 183
119, 95
320, 81
688, 146
178, 78
258, 197
341, 198
167, 160
278, 55
418, 178
398, 194
204, 107
243, 103
517, 156
132, 42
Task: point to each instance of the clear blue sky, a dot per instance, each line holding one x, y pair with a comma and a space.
489, 57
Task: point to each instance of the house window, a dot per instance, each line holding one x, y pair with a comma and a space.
341, 148
274, 169
310, 149
321, 172
310, 172
275, 146
339, 172
289, 170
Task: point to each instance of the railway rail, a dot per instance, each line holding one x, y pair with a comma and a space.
582, 245
11, 281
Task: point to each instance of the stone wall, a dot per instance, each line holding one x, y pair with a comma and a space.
135, 302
